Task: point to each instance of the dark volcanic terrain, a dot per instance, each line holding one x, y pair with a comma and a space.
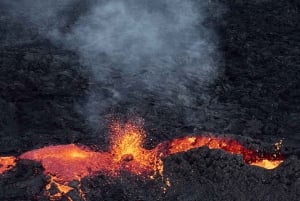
255, 98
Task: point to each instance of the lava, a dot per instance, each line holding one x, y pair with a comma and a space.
251, 157
71, 162
61, 189
126, 149
7, 163
65, 163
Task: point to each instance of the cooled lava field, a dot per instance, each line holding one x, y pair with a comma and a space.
150, 100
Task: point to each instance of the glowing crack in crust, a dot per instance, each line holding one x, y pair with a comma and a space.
7, 163
65, 163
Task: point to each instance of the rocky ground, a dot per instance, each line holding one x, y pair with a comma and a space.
256, 97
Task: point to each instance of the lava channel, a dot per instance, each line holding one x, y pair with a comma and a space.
65, 163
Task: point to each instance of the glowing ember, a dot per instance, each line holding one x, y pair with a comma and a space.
65, 163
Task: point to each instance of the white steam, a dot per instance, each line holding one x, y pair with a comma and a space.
162, 39
132, 47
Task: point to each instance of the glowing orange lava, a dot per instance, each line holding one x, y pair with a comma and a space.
7, 163
267, 161
71, 162
65, 163
62, 189
126, 149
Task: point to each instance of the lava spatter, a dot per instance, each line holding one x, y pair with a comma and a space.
126, 149
65, 163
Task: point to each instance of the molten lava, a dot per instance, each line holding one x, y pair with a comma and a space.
70, 162
65, 163
267, 161
7, 163
127, 150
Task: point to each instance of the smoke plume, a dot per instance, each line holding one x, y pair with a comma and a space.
132, 48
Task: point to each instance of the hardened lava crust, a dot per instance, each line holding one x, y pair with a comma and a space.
254, 98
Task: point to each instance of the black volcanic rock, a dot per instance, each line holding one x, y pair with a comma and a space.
43, 88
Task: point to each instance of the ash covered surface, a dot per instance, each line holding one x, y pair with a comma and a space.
45, 88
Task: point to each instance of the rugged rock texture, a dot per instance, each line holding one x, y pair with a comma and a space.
256, 96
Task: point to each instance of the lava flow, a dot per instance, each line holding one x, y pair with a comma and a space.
7, 163
65, 163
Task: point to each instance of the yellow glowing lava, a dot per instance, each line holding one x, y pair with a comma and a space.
6, 163
267, 164
65, 163
126, 141
61, 188
126, 149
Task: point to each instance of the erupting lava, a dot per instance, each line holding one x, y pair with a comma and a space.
65, 163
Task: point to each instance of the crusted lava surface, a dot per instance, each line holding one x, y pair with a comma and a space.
254, 100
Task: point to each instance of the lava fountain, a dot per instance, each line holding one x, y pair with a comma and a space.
65, 163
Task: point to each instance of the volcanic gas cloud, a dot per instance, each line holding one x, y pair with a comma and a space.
65, 163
